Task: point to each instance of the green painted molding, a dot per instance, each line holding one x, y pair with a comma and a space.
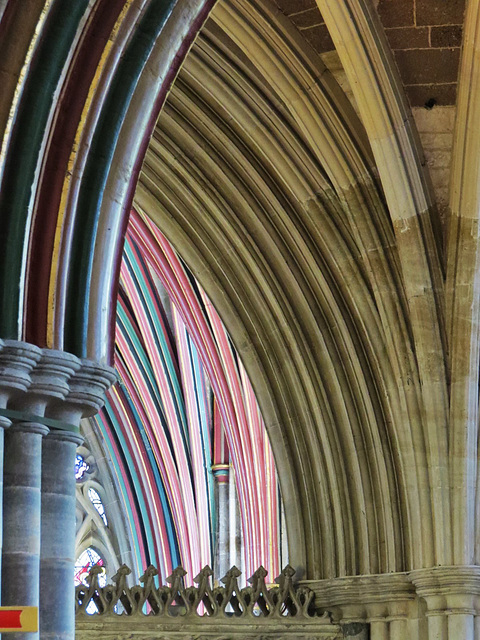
30, 417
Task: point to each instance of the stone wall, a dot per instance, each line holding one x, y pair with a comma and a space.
425, 36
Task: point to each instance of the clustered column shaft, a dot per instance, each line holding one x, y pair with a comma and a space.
58, 542
43, 396
21, 517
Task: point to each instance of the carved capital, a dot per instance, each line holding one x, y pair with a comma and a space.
86, 394
380, 597
17, 360
49, 381
455, 589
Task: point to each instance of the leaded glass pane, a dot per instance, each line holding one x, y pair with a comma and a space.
81, 467
98, 504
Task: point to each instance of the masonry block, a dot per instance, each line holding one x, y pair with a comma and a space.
433, 12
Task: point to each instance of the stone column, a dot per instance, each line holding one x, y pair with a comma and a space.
22, 479
16, 362
21, 516
86, 396
222, 552
476, 630
58, 534
451, 595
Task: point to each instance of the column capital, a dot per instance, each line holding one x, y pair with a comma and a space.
86, 394
17, 360
49, 381
51, 376
377, 597
452, 588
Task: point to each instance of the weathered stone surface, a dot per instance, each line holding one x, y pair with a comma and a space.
319, 38
408, 37
449, 36
423, 94
439, 12
396, 14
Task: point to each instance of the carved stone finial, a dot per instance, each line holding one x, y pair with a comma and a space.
260, 574
122, 572
232, 573
204, 574
177, 574
150, 572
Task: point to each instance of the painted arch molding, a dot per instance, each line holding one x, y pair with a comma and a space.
311, 227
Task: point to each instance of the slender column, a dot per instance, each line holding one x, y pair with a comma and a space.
379, 630
17, 360
476, 628
23, 455
222, 554
21, 516
437, 626
389, 620
232, 526
86, 396
377, 617
58, 535
461, 626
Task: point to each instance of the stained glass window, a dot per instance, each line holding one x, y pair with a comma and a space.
85, 561
98, 504
81, 467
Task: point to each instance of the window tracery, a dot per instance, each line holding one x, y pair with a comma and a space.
96, 542
98, 504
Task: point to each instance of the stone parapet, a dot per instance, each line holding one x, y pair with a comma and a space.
176, 611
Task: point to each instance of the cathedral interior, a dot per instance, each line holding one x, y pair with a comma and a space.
239, 323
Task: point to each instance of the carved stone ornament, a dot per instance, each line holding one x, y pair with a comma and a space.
201, 612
